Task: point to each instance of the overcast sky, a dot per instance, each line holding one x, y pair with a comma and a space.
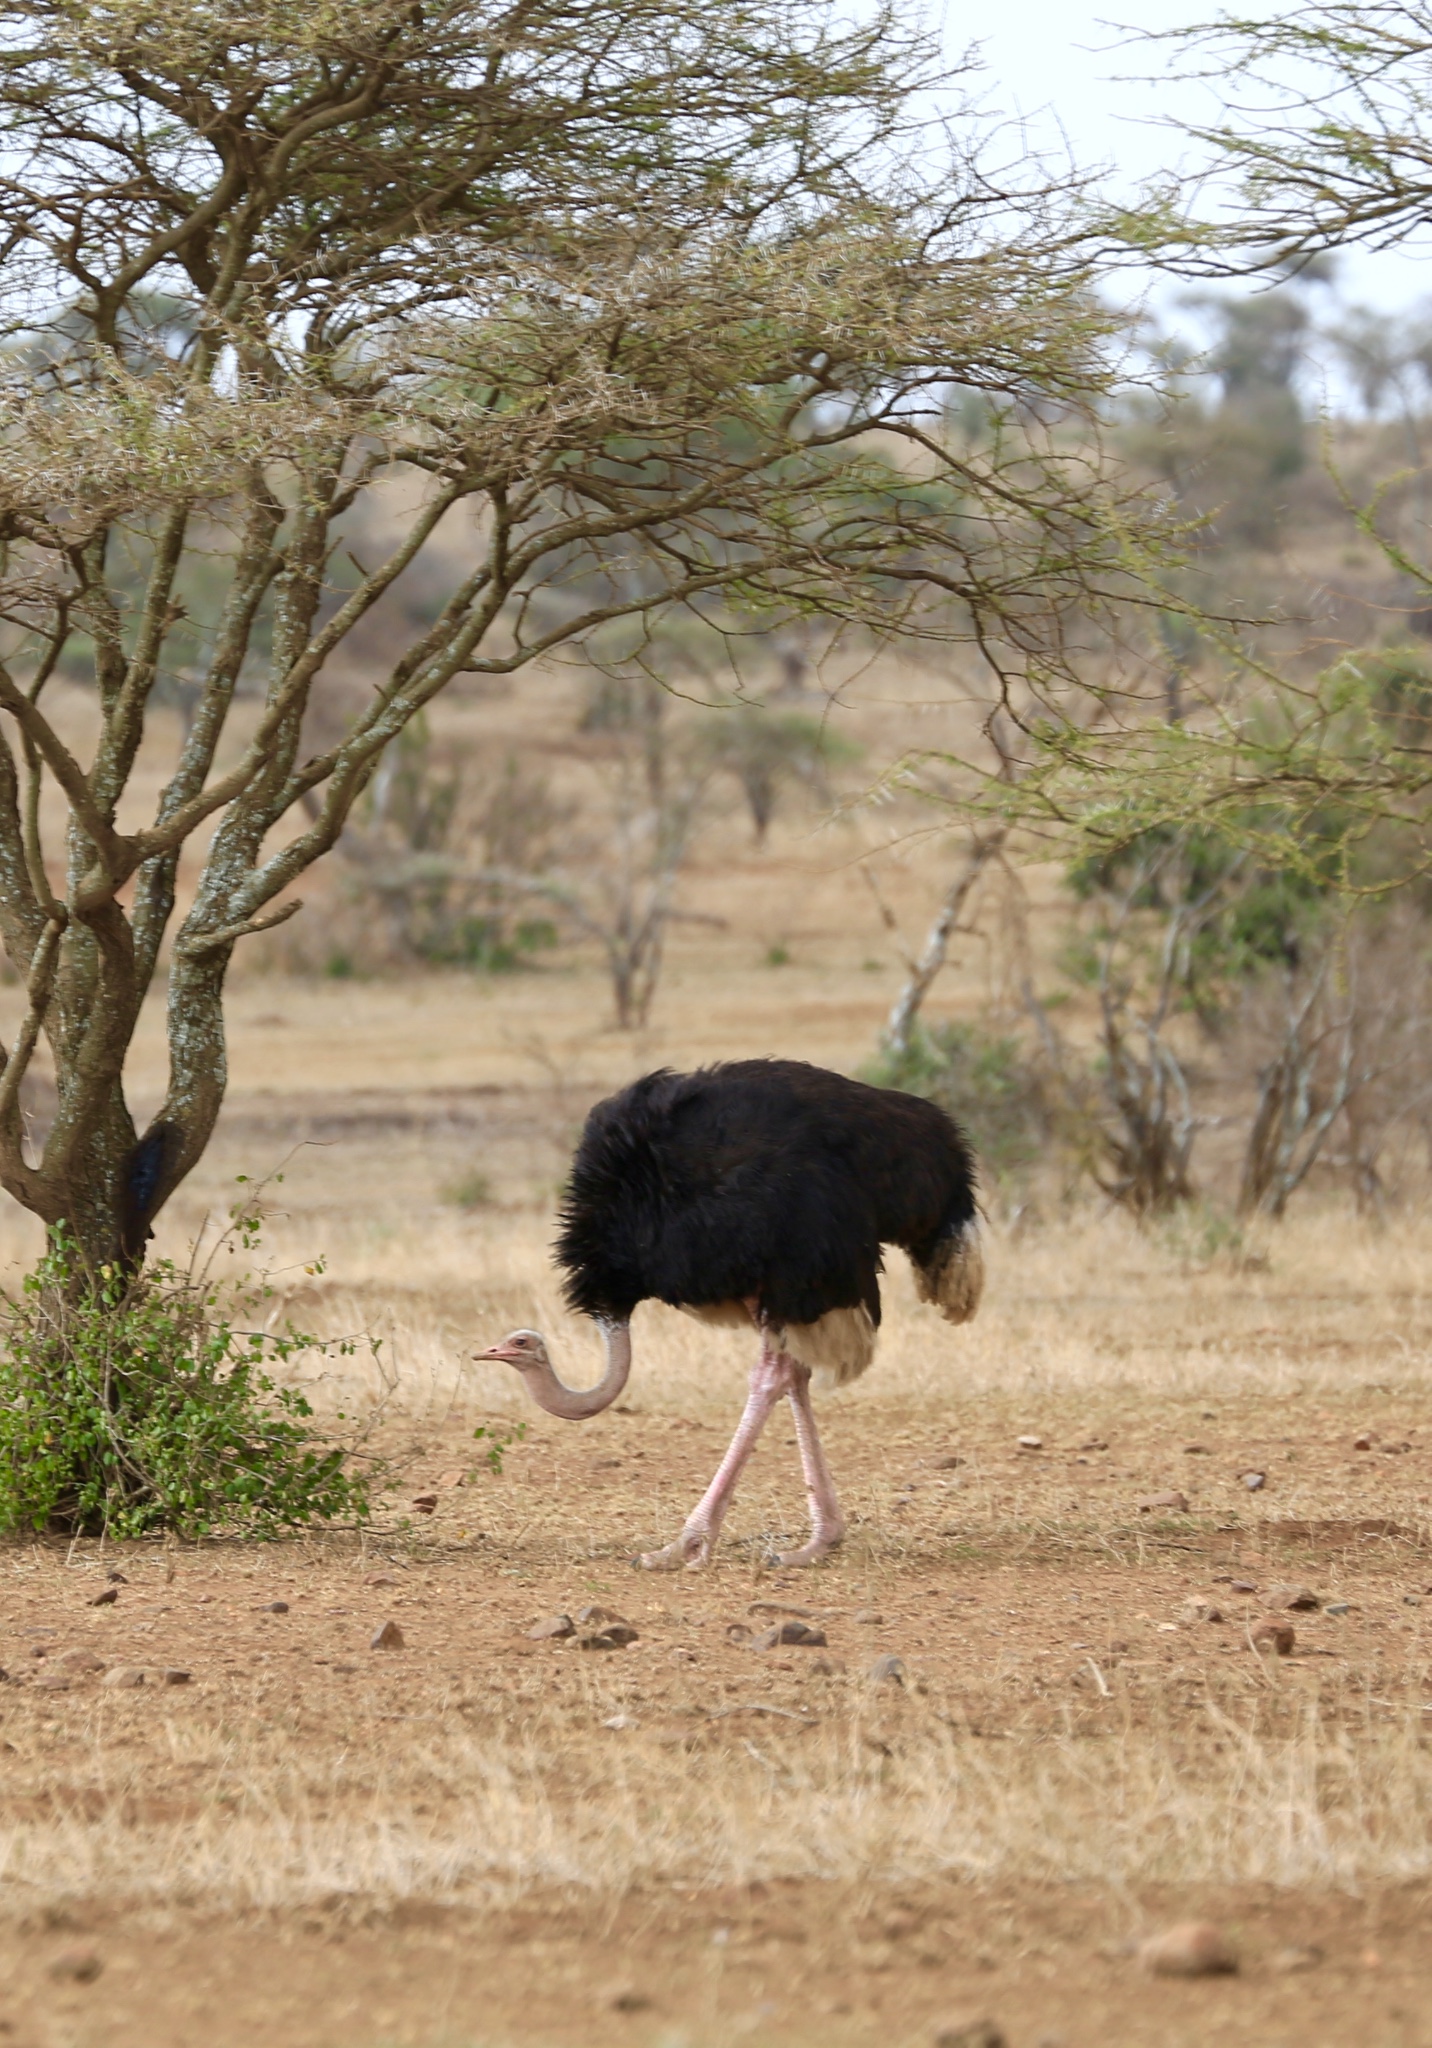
1062, 66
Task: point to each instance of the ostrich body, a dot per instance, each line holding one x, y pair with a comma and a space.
758, 1193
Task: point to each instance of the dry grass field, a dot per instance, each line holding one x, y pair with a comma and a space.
481, 1838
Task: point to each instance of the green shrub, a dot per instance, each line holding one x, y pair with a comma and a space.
137, 1403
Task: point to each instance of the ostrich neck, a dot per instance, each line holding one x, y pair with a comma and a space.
571, 1403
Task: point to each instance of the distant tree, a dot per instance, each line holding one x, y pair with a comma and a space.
651, 302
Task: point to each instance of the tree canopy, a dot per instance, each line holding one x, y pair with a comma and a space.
630, 303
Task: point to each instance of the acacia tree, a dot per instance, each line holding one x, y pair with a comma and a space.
654, 303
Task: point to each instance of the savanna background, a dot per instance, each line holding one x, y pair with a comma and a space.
1195, 1056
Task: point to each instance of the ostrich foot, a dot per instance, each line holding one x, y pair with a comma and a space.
691, 1550
821, 1544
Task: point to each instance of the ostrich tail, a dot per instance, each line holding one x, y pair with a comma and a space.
575, 1404
953, 1281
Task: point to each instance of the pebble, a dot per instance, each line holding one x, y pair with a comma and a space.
557, 1627
615, 1638
624, 1998
969, 2034
75, 1966
1338, 1607
1031, 1443
1241, 1586
620, 1721
1366, 1441
1255, 1481
1095, 1443
1273, 1635
124, 1675
887, 1671
1300, 1599
1289, 1960
796, 1632
601, 1617
425, 1503
105, 1598
1194, 1948
52, 1681
78, 1661
275, 1607
1199, 1610
116, 1578
380, 1579
946, 1464
738, 1633
174, 1676
1412, 1599
866, 1617
1195, 1450
388, 1637
1178, 1502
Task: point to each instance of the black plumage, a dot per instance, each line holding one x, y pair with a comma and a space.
769, 1181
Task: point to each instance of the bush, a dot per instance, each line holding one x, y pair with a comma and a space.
130, 1404
987, 1083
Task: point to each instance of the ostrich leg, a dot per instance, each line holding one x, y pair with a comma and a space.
771, 1377
827, 1523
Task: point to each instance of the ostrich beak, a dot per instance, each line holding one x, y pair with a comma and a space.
501, 1352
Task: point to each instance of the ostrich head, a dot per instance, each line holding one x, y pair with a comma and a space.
527, 1351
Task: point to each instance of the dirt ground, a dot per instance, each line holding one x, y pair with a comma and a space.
480, 1837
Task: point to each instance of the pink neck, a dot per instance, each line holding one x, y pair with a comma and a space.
571, 1403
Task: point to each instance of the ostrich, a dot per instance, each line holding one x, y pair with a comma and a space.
758, 1193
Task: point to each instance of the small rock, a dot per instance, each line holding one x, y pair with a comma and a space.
174, 1676
52, 1681
447, 1480
1366, 1441
1177, 1503
125, 1676
1298, 1599
601, 1617
799, 1633
1412, 1599
1289, 1960
1031, 1443
75, 1966
1255, 1481
275, 1607
738, 1633
620, 1721
1095, 1443
624, 1998
1273, 1635
388, 1637
1199, 1610
425, 1503
866, 1617
946, 1464
1195, 1450
380, 1579
556, 1628
1194, 1948
1241, 1586
826, 1667
76, 1662
116, 1578
887, 1671
969, 2034
1338, 1607
105, 1598
603, 1639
